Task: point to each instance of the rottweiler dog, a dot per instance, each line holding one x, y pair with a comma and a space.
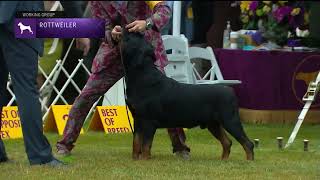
157, 101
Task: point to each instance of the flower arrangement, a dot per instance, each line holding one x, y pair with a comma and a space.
274, 19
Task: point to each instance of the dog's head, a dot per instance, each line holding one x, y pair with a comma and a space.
136, 51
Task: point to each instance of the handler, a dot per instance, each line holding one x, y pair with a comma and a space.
147, 17
19, 57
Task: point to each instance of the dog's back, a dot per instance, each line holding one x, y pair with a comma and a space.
170, 103
173, 104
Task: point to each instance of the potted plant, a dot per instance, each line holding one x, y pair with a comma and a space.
275, 20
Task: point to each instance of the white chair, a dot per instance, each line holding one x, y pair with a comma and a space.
213, 76
179, 67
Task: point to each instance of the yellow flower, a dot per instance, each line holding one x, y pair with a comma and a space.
245, 19
152, 4
282, 2
295, 11
306, 18
266, 9
266, 2
244, 6
259, 12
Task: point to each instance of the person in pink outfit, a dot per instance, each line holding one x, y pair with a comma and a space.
147, 17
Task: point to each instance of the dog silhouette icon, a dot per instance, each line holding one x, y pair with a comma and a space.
24, 27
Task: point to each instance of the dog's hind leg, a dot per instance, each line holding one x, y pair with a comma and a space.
234, 127
148, 134
230, 120
218, 132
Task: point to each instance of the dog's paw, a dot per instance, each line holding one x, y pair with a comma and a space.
136, 156
145, 157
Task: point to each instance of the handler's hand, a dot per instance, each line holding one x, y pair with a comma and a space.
137, 26
83, 44
116, 33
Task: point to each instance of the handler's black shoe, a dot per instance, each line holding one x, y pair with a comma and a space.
4, 159
3, 154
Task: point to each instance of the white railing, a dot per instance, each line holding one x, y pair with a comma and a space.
49, 86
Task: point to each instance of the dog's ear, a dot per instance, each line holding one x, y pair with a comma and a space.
148, 50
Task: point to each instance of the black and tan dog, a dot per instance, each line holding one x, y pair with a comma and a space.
157, 101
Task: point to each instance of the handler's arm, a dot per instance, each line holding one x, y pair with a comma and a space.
7, 11
161, 13
98, 11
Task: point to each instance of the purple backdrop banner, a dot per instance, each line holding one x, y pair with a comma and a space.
59, 28
271, 80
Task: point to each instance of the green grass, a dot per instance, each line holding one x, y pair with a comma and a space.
102, 156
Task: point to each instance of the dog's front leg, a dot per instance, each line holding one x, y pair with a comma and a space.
137, 136
136, 146
148, 134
